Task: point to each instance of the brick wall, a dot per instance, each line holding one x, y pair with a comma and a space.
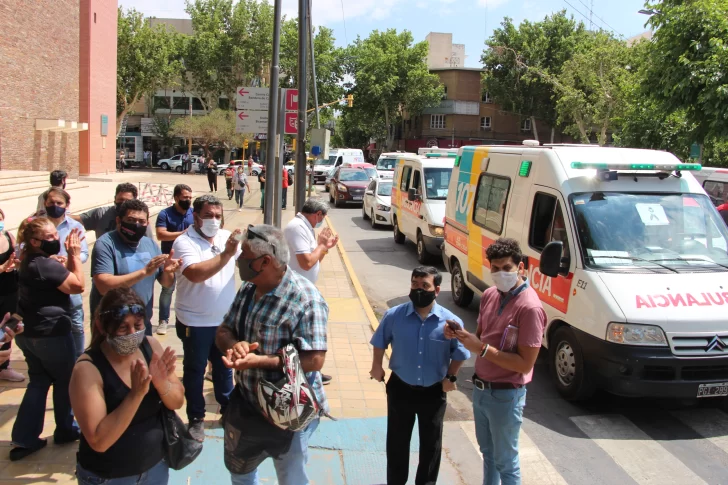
39, 79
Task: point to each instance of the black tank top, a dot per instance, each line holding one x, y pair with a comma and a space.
140, 447
8, 280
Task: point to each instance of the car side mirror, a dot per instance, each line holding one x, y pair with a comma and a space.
551, 263
369, 192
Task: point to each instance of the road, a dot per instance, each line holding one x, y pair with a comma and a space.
608, 440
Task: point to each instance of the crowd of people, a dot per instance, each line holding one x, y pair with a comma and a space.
111, 393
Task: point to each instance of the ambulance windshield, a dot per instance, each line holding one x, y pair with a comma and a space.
657, 232
437, 181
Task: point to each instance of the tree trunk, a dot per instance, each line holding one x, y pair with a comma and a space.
553, 132
533, 128
124, 112
582, 130
227, 154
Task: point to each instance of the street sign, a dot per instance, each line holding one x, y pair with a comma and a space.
694, 151
291, 101
104, 125
251, 122
252, 98
291, 123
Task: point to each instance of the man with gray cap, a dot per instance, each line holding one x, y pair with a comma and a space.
276, 307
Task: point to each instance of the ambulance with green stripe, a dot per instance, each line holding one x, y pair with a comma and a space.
624, 248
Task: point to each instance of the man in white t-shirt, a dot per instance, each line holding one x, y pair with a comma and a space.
205, 292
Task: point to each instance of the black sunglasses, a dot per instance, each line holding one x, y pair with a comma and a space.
251, 234
125, 310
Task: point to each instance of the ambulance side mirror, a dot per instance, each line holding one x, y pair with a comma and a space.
550, 264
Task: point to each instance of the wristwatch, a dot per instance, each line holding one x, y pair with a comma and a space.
451, 378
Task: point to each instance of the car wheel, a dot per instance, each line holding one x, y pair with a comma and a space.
461, 294
374, 221
422, 255
337, 203
364, 214
178, 169
398, 236
164, 166
567, 366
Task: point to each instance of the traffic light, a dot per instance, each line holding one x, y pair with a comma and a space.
350, 100
245, 145
257, 145
294, 144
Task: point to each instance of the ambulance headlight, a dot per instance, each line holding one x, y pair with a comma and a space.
633, 334
436, 231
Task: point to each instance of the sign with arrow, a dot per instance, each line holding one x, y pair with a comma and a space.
251, 122
252, 98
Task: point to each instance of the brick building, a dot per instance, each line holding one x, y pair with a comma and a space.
57, 76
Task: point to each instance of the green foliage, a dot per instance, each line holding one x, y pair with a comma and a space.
391, 78
162, 129
147, 59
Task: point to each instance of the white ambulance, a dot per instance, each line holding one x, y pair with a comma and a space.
323, 168
625, 249
419, 190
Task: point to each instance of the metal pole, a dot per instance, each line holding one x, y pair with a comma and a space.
313, 66
279, 160
272, 112
300, 185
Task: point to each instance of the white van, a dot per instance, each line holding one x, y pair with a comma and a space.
444, 151
322, 168
419, 192
387, 162
627, 253
715, 183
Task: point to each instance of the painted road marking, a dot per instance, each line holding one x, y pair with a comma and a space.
645, 461
712, 424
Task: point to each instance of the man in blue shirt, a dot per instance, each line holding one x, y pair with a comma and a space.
172, 223
424, 368
126, 257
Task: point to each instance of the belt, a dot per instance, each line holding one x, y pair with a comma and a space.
482, 385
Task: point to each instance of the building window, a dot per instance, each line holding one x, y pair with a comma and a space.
486, 98
197, 104
485, 122
444, 92
526, 125
160, 102
223, 103
437, 122
181, 103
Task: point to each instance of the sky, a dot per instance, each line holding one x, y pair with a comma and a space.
470, 21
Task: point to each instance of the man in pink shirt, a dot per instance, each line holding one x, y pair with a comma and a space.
510, 328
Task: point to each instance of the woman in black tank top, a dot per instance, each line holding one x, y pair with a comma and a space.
8, 292
117, 396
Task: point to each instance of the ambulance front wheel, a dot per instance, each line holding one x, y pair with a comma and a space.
398, 236
567, 366
461, 294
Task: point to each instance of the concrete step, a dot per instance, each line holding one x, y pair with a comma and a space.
10, 193
6, 181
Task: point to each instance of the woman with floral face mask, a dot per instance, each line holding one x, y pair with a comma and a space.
44, 286
117, 391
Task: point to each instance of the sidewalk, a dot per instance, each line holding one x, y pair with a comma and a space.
348, 451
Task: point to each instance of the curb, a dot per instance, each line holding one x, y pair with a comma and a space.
373, 321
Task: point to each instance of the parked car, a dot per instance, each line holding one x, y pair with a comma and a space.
175, 163
347, 186
370, 169
327, 180
378, 202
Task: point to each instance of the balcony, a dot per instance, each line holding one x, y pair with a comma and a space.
454, 107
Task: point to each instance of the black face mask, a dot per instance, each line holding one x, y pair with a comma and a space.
50, 247
132, 231
55, 212
421, 298
185, 204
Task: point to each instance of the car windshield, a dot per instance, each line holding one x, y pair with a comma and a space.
717, 191
353, 176
386, 164
385, 189
437, 181
673, 232
372, 172
330, 161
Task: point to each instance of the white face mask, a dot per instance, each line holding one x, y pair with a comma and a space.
210, 227
505, 280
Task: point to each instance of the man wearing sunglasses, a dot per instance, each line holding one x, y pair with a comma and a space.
278, 307
205, 291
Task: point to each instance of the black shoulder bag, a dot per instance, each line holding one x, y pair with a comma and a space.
180, 448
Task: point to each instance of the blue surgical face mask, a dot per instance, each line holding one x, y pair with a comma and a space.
318, 224
2, 226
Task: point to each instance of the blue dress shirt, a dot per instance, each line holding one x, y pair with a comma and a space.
64, 229
421, 354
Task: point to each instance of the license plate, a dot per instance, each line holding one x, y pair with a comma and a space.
713, 390
357, 197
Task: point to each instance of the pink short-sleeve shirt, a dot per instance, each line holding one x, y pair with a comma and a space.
524, 310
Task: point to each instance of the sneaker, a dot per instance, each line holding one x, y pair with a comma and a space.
70, 438
18, 453
326, 379
162, 327
11, 375
240, 210
197, 429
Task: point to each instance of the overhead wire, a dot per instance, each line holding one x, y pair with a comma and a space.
591, 12
343, 17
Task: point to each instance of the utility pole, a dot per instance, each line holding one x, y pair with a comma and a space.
272, 115
300, 184
313, 67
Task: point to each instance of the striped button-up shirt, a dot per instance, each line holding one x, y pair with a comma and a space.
294, 312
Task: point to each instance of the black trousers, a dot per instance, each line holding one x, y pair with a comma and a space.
284, 196
212, 180
404, 403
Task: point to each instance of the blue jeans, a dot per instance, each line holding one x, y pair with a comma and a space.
79, 339
50, 362
165, 301
199, 347
498, 417
291, 466
157, 475
239, 197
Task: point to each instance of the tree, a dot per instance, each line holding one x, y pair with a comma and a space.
391, 78
512, 56
216, 129
688, 59
162, 129
148, 58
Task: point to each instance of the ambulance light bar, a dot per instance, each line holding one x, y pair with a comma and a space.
660, 167
441, 155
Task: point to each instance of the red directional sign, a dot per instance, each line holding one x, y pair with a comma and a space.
291, 123
291, 100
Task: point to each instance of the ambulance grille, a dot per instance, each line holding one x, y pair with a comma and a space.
699, 345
